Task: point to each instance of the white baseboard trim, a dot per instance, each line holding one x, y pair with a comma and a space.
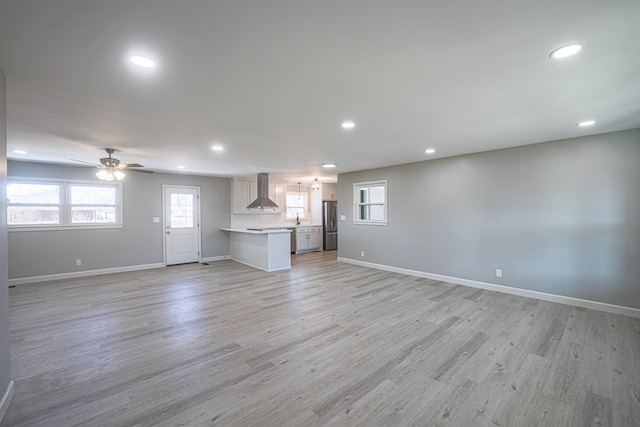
577, 302
260, 268
87, 273
215, 258
6, 399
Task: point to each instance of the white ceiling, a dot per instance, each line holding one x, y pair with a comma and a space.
273, 80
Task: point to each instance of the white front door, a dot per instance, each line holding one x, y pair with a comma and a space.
181, 224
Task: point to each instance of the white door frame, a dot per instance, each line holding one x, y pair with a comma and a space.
165, 219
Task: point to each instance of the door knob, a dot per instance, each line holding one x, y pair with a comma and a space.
168, 232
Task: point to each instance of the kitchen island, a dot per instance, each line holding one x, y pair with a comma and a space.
265, 249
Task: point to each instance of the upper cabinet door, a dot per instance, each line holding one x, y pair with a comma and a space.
279, 195
329, 191
244, 192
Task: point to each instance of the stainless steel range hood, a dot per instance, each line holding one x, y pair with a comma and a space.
263, 200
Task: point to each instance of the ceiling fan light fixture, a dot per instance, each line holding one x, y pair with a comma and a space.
104, 175
109, 174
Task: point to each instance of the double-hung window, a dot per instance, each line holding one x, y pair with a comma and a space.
93, 204
33, 203
51, 204
297, 202
370, 202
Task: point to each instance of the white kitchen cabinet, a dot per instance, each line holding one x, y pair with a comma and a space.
329, 191
314, 238
278, 193
244, 192
308, 239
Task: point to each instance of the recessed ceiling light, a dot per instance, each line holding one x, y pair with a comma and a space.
430, 150
348, 125
19, 151
142, 61
564, 51
180, 167
587, 123
217, 147
329, 165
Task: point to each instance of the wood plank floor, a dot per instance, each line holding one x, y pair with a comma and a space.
326, 343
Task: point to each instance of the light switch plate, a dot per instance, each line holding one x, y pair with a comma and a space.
156, 219
343, 217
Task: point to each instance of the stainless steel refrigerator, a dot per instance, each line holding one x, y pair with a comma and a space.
329, 225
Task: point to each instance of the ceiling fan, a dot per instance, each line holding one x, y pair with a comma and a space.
110, 167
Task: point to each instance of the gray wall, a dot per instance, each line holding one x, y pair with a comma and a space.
40, 253
561, 217
5, 367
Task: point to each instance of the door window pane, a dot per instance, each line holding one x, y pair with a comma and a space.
181, 211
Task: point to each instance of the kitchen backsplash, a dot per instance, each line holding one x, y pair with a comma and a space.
261, 220
277, 219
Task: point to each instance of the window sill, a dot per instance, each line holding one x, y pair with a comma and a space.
383, 223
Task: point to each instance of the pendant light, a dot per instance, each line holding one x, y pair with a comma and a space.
315, 185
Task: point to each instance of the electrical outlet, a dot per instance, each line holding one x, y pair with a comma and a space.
498, 272
78, 262
361, 253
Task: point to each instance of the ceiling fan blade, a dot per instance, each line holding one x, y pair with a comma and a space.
82, 161
111, 163
138, 170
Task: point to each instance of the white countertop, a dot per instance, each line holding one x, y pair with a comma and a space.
286, 226
268, 228
247, 231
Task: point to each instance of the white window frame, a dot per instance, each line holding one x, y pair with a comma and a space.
306, 196
66, 206
357, 186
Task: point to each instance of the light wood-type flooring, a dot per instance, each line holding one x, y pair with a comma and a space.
325, 343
